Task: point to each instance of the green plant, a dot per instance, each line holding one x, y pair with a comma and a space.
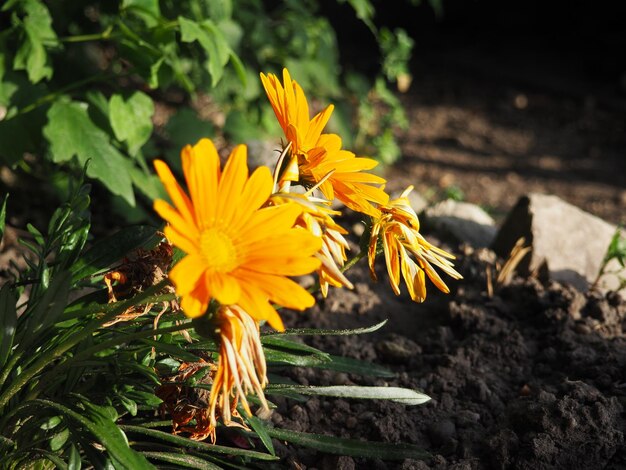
88, 81
616, 251
78, 387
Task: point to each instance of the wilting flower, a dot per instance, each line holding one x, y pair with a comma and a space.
138, 271
240, 371
188, 405
317, 218
238, 252
319, 157
398, 226
241, 367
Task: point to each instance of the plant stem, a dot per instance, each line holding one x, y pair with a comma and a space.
52, 96
106, 34
354, 260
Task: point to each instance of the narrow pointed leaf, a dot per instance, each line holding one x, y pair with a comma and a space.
196, 445
98, 422
399, 395
354, 448
320, 332
187, 461
261, 430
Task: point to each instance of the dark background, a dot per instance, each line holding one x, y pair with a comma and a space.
569, 46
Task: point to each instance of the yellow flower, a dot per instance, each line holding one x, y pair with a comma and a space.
317, 218
398, 226
241, 366
238, 252
319, 157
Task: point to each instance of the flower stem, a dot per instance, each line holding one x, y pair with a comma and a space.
354, 260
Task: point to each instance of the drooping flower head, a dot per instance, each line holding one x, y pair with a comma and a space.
398, 227
317, 218
240, 371
237, 251
241, 366
317, 157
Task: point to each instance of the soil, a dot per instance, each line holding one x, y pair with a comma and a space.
529, 378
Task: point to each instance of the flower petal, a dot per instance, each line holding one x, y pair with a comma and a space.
177, 195
187, 272
224, 287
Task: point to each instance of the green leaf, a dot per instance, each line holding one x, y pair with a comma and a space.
49, 307
3, 215
131, 119
283, 357
74, 462
71, 132
355, 366
354, 448
58, 440
38, 35
321, 332
220, 10
281, 342
187, 461
212, 41
195, 445
98, 421
396, 394
260, 429
8, 322
147, 10
113, 248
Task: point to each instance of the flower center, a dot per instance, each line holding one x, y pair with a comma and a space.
218, 250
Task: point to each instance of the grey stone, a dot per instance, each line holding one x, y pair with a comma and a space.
463, 221
263, 153
568, 244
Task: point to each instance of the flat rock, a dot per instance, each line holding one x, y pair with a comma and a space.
568, 244
462, 221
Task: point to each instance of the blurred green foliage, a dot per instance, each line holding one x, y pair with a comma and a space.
118, 83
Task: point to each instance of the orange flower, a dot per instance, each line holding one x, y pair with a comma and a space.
238, 252
318, 156
341, 175
399, 226
317, 218
241, 368
292, 111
